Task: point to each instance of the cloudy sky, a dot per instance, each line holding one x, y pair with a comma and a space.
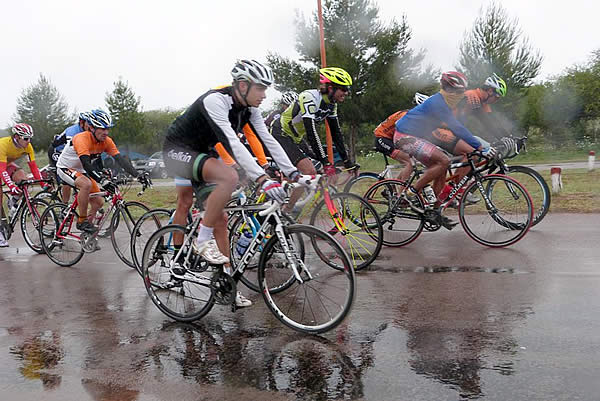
170, 52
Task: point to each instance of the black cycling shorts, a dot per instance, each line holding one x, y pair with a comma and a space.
384, 145
295, 151
183, 162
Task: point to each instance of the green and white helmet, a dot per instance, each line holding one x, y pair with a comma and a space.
497, 84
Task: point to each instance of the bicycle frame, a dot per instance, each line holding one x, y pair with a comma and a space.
24, 201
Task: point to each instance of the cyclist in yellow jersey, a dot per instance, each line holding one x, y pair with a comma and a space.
12, 148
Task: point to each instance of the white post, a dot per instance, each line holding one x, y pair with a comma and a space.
591, 160
556, 179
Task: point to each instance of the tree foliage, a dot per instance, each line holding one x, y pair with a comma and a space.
156, 123
123, 106
496, 45
384, 69
45, 109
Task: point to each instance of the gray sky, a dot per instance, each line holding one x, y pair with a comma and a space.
171, 52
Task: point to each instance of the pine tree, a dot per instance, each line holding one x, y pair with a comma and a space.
45, 109
128, 119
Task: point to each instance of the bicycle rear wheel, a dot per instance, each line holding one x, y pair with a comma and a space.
502, 216
537, 188
30, 224
147, 225
360, 234
361, 184
324, 297
401, 224
56, 238
184, 299
121, 227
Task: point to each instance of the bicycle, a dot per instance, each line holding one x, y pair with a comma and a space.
348, 217
302, 291
502, 219
65, 246
537, 187
28, 211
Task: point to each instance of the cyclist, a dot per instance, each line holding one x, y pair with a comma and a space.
59, 142
75, 166
12, 148
478, 101
286, 99
188, 150
418, 124
299, 120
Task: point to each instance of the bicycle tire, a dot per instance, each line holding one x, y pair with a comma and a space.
48, 195
27, 219
67, 249
401, 224
147, 225
361, 184
505, 219
170, 295
537, 188
323, 312
362, 234
121, 226
250, 276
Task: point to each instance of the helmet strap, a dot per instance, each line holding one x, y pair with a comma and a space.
244, 96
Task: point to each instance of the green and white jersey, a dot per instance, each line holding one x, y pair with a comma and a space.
310, 104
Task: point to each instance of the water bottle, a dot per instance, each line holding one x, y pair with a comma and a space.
243, 242
429, 194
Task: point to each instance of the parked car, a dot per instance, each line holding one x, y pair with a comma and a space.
109, 163
153, 165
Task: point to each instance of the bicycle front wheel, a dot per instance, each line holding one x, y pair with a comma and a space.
121, 228
537, 188
30, 221
401, 224
147, 225
184, 298
502, 216
320, 297
58, 242
354, 223
361, 184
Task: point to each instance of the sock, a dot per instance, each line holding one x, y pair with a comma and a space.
204, 234
81, 219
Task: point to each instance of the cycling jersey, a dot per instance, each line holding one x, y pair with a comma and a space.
387, 128
473, 101
9, 153
422, 120
299, 119
274, 116
215, 117
59, 142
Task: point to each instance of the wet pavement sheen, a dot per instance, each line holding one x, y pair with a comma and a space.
441, 319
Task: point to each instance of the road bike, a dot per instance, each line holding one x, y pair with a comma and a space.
302, 291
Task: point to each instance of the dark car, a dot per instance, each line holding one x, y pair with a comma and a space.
153, 165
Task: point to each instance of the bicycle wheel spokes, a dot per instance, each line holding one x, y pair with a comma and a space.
507, 217
324, 297
537, 188
401, 224
354, 224
147, 225
30, 224
186, 298
62, 247
122, 223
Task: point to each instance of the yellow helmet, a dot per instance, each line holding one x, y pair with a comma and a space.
335, 75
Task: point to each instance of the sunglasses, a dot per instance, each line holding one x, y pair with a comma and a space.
25, 139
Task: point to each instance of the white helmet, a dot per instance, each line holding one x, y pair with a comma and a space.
252, 71
420, 98
289, 97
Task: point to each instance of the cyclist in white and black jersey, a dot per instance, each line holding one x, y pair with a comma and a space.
217, 116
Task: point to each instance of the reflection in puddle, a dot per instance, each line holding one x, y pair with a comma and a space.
39, 354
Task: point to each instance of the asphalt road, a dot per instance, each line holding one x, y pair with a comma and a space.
442, 319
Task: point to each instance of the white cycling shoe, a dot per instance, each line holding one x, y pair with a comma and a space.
241, 301
210, 252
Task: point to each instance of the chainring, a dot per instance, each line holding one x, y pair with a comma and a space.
224, 288
433, 220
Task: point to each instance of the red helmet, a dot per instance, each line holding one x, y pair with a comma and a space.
454, 80
23, 130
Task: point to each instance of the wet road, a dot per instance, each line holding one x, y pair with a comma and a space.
442, 319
